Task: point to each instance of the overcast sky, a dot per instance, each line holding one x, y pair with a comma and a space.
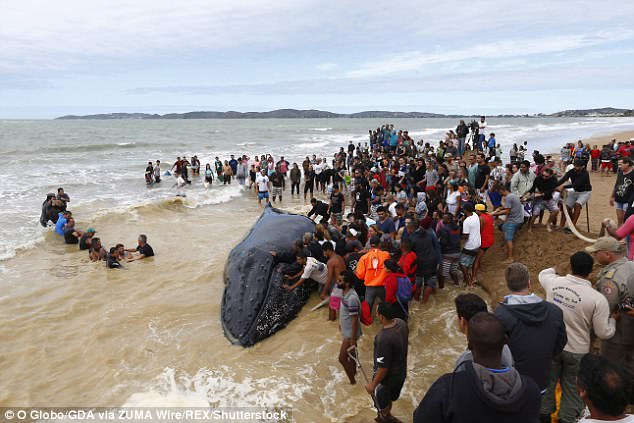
61, 57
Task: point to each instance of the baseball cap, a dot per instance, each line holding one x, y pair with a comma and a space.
606, 243
480, 207
90, 230
494, 159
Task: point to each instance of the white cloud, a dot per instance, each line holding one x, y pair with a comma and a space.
326, 67
416, 60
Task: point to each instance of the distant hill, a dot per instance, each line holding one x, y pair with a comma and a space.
604, 112
319, 114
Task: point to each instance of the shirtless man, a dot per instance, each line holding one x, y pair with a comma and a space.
335, 265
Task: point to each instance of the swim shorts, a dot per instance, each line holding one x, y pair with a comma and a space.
510, 229
575, 197
262, 195
385, 395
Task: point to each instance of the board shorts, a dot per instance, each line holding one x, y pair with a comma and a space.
606, 164
510, 229
276, 191
335, 298
575, 197
262, 195
429, 281
540, 204
339, 218
621, 206
449, 264
467, 257
385, 394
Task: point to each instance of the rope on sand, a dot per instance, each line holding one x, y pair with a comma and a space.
571, 225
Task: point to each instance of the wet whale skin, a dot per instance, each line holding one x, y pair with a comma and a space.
254, 304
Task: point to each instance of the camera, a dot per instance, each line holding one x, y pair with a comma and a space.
626, 305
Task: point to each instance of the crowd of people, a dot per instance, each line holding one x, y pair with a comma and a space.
55, 213
399, 219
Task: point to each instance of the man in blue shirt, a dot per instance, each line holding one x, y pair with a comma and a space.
491, 145
61, 221
385, 223
234, 164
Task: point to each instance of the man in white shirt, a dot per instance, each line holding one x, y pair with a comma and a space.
312, 269
585, 310
262, 182
470, 229
482, 134
605, 388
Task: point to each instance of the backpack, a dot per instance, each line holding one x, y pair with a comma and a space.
404, 289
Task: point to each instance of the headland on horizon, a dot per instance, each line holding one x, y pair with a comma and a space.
319, 114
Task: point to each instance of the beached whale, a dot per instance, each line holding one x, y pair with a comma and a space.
254, 304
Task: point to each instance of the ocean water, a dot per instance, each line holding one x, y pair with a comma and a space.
76, 334
101, 163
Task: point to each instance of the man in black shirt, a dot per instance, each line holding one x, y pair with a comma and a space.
543, 188
319, 209
622, 192
337, 204
361, 198
581, 188
390, 361
143, 249
71, 235
486, 390
482, 177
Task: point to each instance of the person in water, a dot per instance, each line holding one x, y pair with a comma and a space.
112, 262
71, 235
149, 174
209, 174
63, 197
86, 239
157, 172
143, 248
96, 251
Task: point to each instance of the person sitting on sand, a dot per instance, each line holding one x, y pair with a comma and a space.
143, 249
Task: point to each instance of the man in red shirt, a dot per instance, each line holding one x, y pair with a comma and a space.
407, 262
486, 235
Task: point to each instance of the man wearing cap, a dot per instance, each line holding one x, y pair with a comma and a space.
579, 189
616, 283
451, 164
86, 239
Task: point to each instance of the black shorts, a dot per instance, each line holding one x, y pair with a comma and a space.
386, 394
